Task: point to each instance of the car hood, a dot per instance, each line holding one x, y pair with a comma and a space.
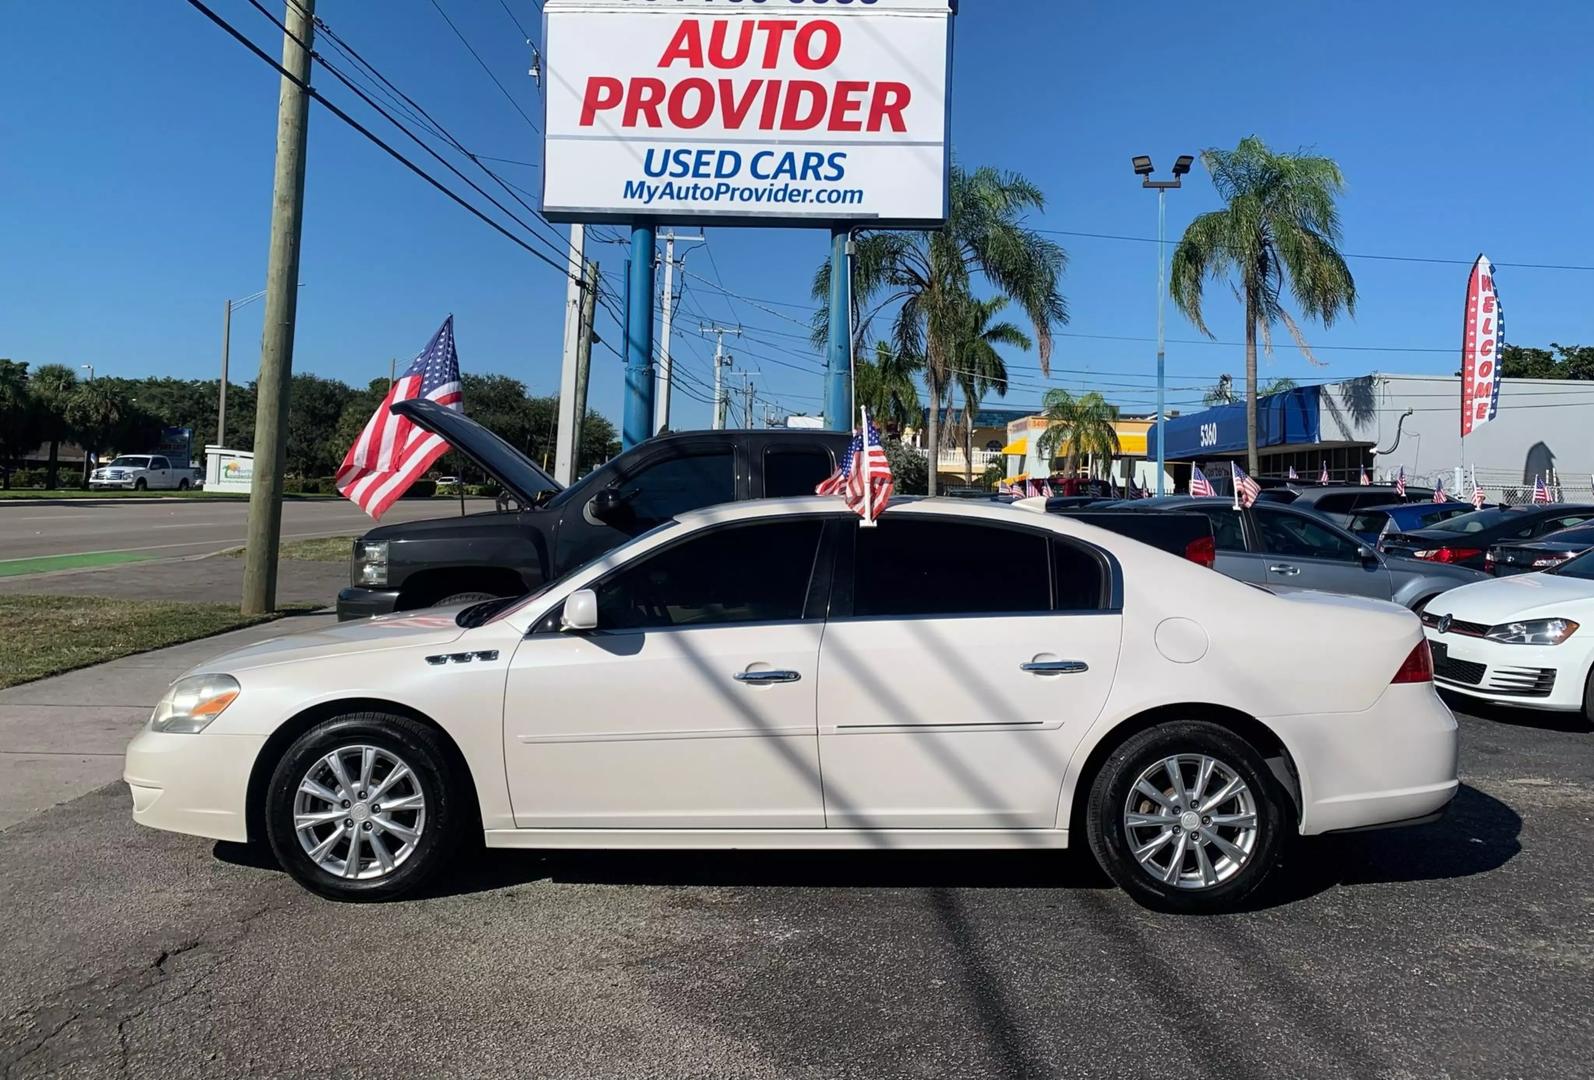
519, 475
402, 631
1505, 599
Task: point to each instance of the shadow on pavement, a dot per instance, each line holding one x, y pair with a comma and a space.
1479, 834
1572, 722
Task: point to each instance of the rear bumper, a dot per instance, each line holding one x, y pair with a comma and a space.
193, 784
1393, 764
357, 603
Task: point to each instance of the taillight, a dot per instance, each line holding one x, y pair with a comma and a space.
1449, 554
1203, 550
1418, 667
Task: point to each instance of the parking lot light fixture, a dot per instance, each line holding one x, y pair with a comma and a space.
1143, 169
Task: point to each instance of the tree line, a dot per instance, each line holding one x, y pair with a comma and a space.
50, 406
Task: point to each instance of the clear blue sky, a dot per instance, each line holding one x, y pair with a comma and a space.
135, 172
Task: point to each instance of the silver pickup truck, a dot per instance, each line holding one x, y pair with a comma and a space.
142, 472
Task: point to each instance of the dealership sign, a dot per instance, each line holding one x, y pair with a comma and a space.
762, 110
1482, 334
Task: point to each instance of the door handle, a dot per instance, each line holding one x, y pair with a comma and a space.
1284, 568
1054, 667
766, 678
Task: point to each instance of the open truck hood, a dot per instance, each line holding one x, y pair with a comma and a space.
518, 474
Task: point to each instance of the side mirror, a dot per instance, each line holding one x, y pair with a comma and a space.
1367, 554
581, 611
606, 504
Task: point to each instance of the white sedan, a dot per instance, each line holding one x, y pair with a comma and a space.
773, 675
1525, 640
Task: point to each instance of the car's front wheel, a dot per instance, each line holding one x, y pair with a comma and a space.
1187, 818
364, 807
139, 484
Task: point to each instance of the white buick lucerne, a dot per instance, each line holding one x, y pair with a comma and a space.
773, 675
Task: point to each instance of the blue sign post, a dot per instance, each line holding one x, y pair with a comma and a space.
638, 421
838, 357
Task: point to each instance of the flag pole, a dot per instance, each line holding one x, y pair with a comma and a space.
868, 478
1234, 482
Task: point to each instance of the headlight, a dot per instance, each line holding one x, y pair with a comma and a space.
192, 703
1535, 632
370, 562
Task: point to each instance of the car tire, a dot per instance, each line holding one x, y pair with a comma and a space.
465, 598
1588, 698
1140, 836
427, 829
182, 485
139, 485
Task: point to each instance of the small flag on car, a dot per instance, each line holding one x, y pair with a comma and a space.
864, 480
1439, 495
1541, 494
393, 452
1322, 477
1200, 486
1477, 492
1400, 483
1293, 474
1365, 481
1246, 490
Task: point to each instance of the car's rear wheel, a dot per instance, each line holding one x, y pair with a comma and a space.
364, 807
1187, 818
182, 485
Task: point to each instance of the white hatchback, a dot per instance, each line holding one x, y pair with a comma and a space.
1525, 640
772, 675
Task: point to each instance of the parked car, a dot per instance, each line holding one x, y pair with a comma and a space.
1369, 524
966, 674
1188, 536
1465, 540
1525, 640
539, 531
1288, 549
1337, 502
141, 472
1525, 557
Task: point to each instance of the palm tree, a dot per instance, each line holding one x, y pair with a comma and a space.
977, 367
94, 411
923, 277
1083, 426
52, 386
1223, 392
1280, 226
886, 387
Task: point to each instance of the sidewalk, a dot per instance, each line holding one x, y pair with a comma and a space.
64, 736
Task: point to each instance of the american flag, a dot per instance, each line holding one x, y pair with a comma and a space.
1246, 490
1477, 492
1293, 475
1145, 490
392, 451
1439, 495
1365, 482
1541, 494
1046, 488
1322, 477
1200, 486
1400, 483
864, 479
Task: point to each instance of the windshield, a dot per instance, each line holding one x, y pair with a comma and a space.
1580, 567
132, 462
1477, 521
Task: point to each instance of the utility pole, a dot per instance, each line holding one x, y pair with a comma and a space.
392, 372
747, 400
661, 403
720, 361
282, 296
589, 312
564, 469
221, 396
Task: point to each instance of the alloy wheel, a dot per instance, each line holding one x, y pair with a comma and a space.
359, 812
1191, 821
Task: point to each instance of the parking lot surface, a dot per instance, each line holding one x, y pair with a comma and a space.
1462, 949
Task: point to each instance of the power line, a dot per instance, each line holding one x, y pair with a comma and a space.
239, 36
514, 19
501, 88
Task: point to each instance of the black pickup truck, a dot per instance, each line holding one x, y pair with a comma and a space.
540, 530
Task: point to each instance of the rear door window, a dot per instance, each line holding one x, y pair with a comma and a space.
795, 471
1298, 537
1228, 531
927, 567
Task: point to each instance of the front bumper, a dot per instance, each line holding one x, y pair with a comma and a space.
121, 485
195, 784
1394, 763
356, 602
1527, 676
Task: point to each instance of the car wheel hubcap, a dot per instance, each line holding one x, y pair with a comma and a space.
1191, 821
359, 812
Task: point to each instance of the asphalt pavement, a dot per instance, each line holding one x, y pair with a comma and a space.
1461, 949
168, 528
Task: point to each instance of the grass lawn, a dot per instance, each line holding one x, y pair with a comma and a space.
78, 493
46, 635
315, 549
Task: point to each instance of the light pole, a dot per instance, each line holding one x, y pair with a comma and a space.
1144, 169
226, 346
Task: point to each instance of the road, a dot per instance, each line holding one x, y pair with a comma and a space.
165, 528
1462, 949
